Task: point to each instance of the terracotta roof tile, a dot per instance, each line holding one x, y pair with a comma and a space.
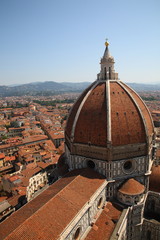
73, 112
35, 220
126, 122
3, 198
129, 116
92, 122
14, 200
144, 110
104, 226
132, 187
12, 158
13, 178
2, 155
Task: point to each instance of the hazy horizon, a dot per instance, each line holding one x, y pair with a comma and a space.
17, 84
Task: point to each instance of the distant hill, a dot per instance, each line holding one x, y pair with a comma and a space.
77, 86
141, 87
42, 88
51, 88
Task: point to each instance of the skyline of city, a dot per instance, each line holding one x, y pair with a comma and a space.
62, 41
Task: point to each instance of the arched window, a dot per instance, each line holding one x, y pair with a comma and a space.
90, 164
76, 236
100, 203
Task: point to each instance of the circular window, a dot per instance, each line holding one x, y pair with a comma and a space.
90, 164
77, 234
128, 167
100, 203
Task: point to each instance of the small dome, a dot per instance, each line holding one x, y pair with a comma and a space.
132, 187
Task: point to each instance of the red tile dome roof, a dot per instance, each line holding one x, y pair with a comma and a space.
132, 187
109, 112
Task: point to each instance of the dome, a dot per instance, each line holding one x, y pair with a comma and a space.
132, 187
131, 192
109, 121
109, 114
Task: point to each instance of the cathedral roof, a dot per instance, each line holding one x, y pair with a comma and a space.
105, 224
154, 179
132, 187
46, 216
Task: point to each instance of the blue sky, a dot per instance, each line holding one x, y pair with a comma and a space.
63, 40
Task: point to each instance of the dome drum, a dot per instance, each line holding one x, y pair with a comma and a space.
130, 200
108, 153
112, 170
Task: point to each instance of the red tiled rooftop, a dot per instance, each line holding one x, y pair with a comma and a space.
12, 158
43, 165
3, 198
2, 155
29, 172
35, 220
43, 153
105, 224
35, 138
13, 200
13, 178
6, 168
